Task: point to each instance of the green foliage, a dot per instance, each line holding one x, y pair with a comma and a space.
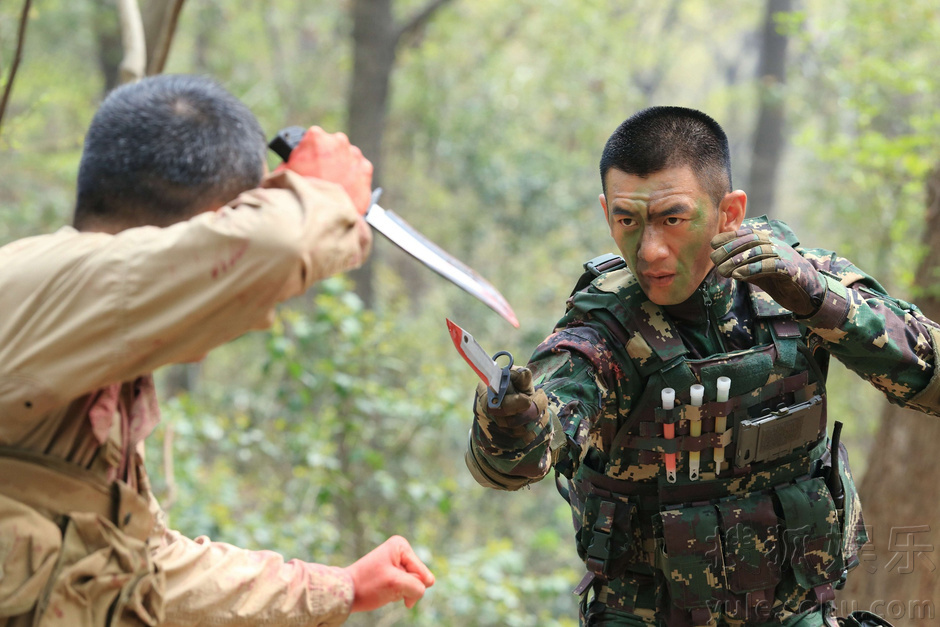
342, 426
870, 121
866, 104
53, 99
351, 437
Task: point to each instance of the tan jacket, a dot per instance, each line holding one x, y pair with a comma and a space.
86, 317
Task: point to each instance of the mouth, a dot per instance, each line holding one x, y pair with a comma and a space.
659, 279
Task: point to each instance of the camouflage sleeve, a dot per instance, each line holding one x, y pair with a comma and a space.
887, 341
577, 371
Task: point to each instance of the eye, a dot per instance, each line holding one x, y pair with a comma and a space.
626, 222
673, 221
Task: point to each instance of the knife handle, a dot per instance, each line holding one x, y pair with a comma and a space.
494, 398
286, 140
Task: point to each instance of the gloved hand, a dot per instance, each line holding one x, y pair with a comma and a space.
771, 265
521, 405
330, 156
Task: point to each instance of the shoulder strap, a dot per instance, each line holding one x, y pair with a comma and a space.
596, 267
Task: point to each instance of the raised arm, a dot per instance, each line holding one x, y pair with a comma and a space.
885, 340
84, 310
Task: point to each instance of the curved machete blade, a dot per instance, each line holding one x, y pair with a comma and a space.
406, 237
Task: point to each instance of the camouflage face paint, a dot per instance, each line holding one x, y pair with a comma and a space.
662, 225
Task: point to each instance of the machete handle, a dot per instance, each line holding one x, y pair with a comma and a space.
494, 398
286, 140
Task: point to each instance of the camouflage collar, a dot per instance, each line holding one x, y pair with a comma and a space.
714, 298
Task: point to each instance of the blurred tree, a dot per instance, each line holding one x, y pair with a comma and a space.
869, 113
900, 490
159, 23
769, 141
17, 57
377, 37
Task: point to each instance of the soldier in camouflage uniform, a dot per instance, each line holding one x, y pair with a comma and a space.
760, 519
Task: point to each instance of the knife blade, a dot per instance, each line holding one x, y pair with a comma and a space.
409, 239
495, 377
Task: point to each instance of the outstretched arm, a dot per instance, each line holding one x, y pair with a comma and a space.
572, 375
240, 588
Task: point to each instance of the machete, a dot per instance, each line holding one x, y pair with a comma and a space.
406, 237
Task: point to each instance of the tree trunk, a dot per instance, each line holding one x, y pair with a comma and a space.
898, 576
374, 41
768, 137
376, 36
160, 18
108, 39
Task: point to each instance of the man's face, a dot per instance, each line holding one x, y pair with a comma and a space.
662, 225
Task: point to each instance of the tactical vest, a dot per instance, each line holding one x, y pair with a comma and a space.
760, 540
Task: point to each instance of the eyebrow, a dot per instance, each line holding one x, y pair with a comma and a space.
622, 211
676, 209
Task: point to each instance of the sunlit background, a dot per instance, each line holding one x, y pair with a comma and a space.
348, 421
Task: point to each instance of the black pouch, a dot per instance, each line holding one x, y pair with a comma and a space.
854, 533
863, 619
608, 538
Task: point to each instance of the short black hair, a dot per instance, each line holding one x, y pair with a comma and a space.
658, 138
163, 148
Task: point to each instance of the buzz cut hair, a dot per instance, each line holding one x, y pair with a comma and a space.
659, 138
162, 149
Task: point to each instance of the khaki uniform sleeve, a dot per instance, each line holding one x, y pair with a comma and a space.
217, 583
85, 310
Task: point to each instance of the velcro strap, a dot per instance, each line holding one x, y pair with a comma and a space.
786, 333
679, 443
599, 550
834, 309
824, 593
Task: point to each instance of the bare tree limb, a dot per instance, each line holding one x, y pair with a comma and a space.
20, 38
419, 19
168, 474
160, 19
134, 63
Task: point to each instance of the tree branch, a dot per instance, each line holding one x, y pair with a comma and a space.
134, 63
418, 19
160, 19
20, 38
168, 474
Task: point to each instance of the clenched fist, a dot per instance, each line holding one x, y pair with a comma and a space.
521, 404
330, 156
773, 266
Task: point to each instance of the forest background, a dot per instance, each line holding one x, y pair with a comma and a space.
347, 422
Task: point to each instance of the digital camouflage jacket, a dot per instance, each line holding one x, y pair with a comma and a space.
758, 539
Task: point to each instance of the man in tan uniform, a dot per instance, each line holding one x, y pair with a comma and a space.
181, 243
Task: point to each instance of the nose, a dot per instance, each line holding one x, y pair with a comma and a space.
652, 246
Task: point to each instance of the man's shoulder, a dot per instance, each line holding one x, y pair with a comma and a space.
604, 276
608, 295
775, 228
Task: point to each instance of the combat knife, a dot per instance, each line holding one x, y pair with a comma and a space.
406, 237
495, 377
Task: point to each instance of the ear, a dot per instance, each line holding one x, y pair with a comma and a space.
731, 211
603, 200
